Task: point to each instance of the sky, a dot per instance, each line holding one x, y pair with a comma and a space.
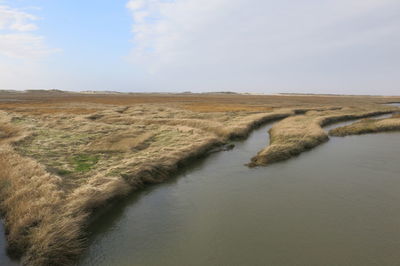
259, 46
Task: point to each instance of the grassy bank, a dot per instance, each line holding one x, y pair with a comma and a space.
366, 126
65, 155
294, 135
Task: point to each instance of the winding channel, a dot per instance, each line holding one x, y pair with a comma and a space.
338, 204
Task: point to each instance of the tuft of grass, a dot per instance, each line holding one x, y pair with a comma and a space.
84, 162
17, 120
7, 131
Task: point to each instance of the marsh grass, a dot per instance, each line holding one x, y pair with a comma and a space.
297, 134
62, 156
366, 126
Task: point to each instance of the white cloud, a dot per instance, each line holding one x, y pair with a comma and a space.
135, 4
15, 42
14, 19
231, 43
22, 45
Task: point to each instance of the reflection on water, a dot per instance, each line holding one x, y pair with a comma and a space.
338, 204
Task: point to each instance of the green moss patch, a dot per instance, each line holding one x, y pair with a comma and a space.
84, 162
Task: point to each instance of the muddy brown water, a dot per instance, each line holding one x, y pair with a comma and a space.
338, 204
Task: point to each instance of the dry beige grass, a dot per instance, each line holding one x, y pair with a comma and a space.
58, 102
30, 199
366, 126
10, 132
122, 142
64, 155
294, 135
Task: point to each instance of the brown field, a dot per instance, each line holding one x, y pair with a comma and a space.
63, 155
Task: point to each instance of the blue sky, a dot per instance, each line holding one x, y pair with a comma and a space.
332, 46
87, 29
